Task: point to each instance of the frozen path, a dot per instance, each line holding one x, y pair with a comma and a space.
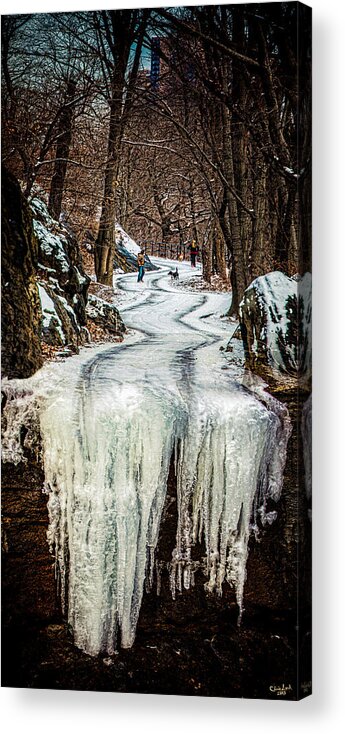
179, 330
113, 419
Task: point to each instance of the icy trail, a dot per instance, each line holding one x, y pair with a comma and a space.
112, 420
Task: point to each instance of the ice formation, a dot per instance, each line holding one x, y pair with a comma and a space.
112, 420
107, 472
106, 467
230, 462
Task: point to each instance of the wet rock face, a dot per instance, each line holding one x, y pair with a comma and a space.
28, 581
275, 321
21, 310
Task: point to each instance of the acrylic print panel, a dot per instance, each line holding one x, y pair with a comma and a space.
156, 290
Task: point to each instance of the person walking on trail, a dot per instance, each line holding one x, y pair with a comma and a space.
194, 252
141, 263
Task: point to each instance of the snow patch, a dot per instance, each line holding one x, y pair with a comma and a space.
124, 240
285, 307
49, 313
52, 245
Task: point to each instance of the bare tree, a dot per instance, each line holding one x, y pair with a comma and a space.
116, 32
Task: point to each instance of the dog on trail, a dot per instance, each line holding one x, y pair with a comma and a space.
174, 275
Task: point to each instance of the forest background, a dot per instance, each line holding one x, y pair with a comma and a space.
180, 126
36, 708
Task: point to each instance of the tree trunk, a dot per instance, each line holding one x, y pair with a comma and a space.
62, 153
260, 254
238, 273
220, 252
207, 258
121, 32
105, 245
239, 137
284, 242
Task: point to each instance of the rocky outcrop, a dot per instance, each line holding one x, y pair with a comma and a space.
21, 311
71, 314
45, 287
275, 321
275, 325
60, 327
63, 283
105, 315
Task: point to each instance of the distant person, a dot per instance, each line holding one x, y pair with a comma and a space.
141, 263
194, 252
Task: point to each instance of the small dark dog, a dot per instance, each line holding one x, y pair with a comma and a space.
174, 274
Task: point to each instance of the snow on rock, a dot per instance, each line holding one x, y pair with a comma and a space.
123, 239
104, 314
125, 258
63, 284
58, 248
60, 325
275, 318
67, 306
52, 329
52, 246
54, 240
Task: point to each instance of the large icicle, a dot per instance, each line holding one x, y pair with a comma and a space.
106, 466
232, 455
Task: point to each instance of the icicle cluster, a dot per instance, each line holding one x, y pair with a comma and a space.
20, 421
231, 460
106, 467
107, 464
